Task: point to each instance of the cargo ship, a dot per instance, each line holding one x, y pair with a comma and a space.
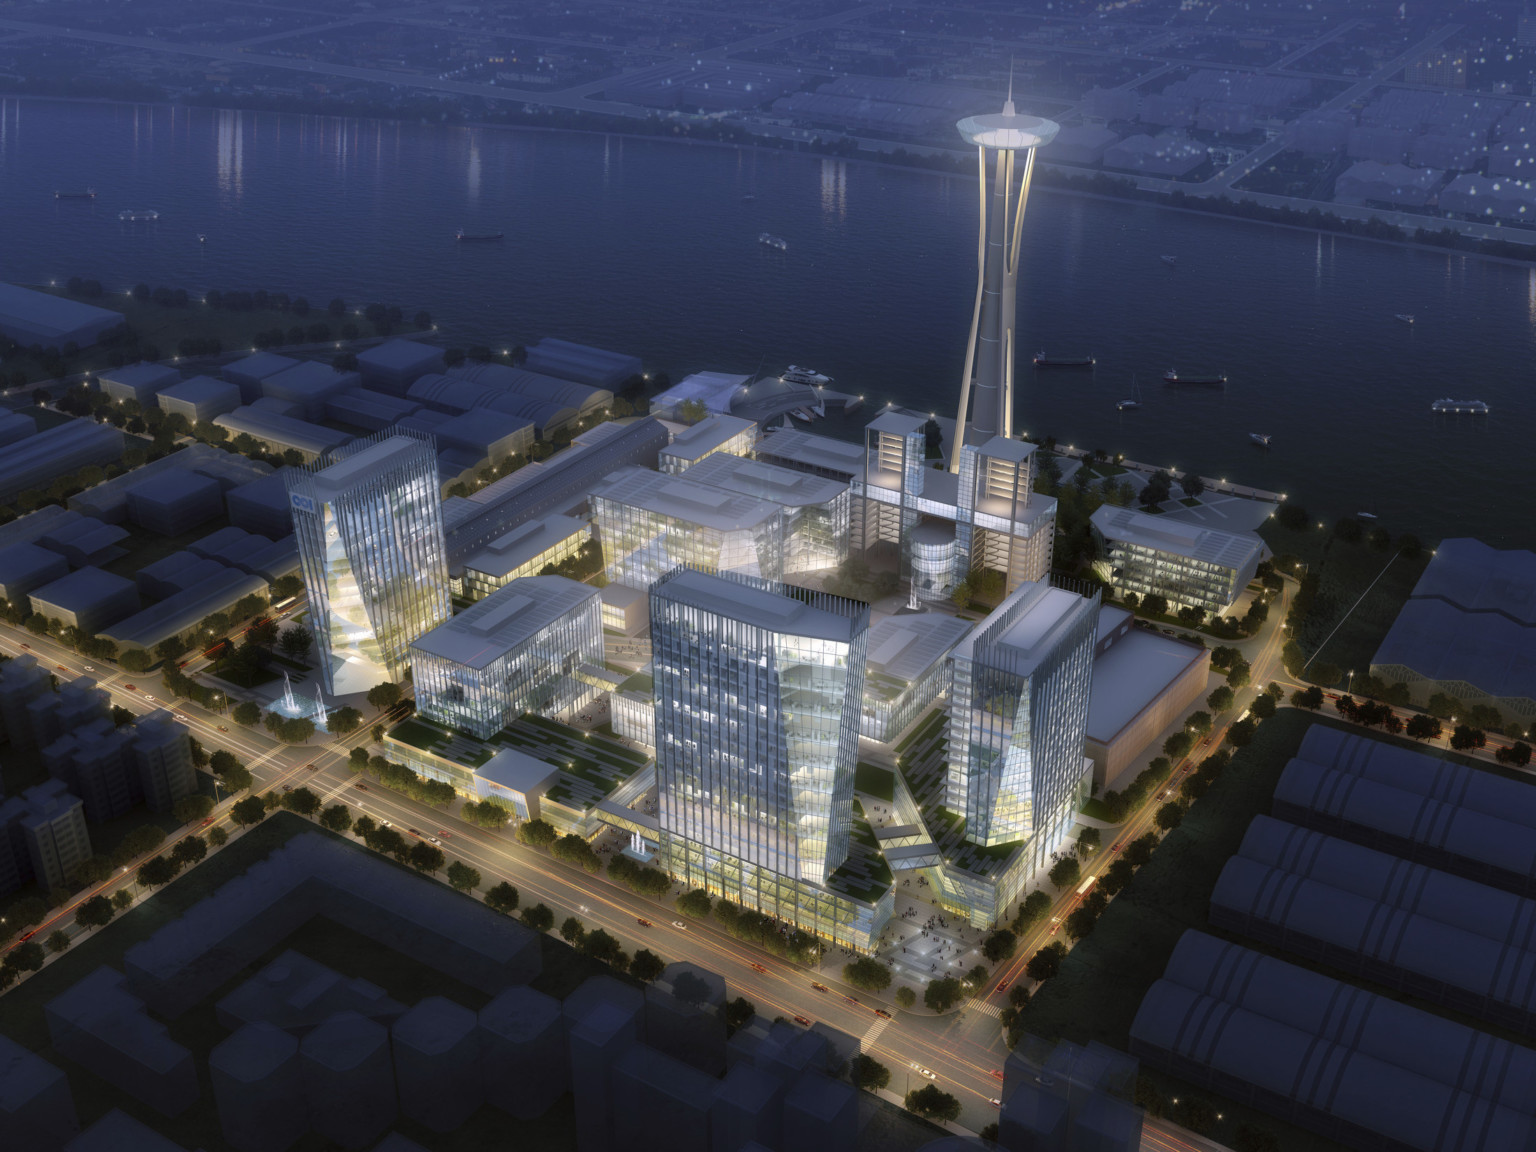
769, 240
138, 215
1044, 361
1474, 407
1184, 379
88, 194
465, 237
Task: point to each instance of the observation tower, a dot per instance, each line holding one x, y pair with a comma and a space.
986, 388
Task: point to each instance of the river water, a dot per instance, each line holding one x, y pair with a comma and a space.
650, 247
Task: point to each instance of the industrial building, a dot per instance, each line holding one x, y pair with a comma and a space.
520, 649
393, 366
1191, 565
39, 460
1467, 630
1373, 916
370, 531
24, 567
713, 391
648, 523
108, 500
524, 551
1360, 1069
200, 398
1413, 804
739, 814
1143, 681
279, 432
588, 401
363, 408
261, 505
458, 394
84, 540
198, 592
88, 599
594, 367
16, 426
249, 372
906, 670
29, 318
140, 382
307, 386
175, 502
715, 433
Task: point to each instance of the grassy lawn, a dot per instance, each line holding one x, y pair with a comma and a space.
873, 780
418, 735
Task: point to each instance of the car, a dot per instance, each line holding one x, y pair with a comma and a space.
287, 787
802, 1021
147, 696
883, 1012
995, 1102
206, 822
820, 987
1116, 848
61, 668
309, 767
679, 924
926, 1073
445, 834
997, 1073
27, 936
89, 667
385, 824
851, 999
434, 839
414, 833
222, 728
28, 647
757, 967
128, 687
1002, 986
360, 786
644, 923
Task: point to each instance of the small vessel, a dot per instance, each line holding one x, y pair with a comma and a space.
1405, 317
202, 237
1171, 261
796, 374
464, 236
1133, 402
1475, 407
802, 415
1366, 516
1044, 361
1260, 438
769, 240
750, 196
138, 215
1183, 379
820, 408
88, 194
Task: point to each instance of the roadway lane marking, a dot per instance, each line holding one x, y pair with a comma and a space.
986, 1009
879, 1026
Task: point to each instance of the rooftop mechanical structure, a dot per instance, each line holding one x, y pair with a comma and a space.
986, 386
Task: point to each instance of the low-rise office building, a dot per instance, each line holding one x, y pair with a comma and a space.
88, 598
279, 432
626, 610
200, 398
907, 670
1143, 681
393, 366
816, 509
518, 650
525, 551
1190, 565
38, 460
649, 523
140, 382
174, 503
716, 433
307, 386
249, 372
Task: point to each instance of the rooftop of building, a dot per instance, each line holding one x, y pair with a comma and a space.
509, 616
196, 388
681, 498
359, 467
790, 611
1474, 577
1159, 533
749, 477
714, 390
518, 772
903, 647
1026, 627
143, 372
82, 588
399, 354
1442, 642
308, 374
42, 309
812, 451
707, 435
1131, 674
526, 542
260, 365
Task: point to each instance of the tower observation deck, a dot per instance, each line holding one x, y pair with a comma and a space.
986, 387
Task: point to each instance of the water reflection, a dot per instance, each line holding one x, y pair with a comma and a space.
230, 153
834, 188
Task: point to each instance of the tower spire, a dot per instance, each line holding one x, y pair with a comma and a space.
1008, 109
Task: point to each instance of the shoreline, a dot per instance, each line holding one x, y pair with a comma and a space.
761, 144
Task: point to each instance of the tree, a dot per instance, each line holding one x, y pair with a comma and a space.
1199, 723
943, 994
1087, 842
357, 760
93, 913
868, 1073
58, 941
502, 898
1158, 488
246, 713
572, 930
1465, 738
601, 946
155, 871
26, 957
1263, 706
1177, 746
1000, 946
1154, 604
933, 1103
1251, 1138
1241, 733
905, 997
1310, 698
1080, 921
251, 810
1046, 963
695, 904
975, 981
1518, 754
337, 818
190, 809
539, 918
1065, 873
463, 878
237, 779
145, 838
188, 851
1240, 674
1191, 484
867, 975
537, 833
1035, 908
427, 857
133, 660
122, 899
384, 696
344, 722
1169, 816
1220, 700
572, 849
296, 642
301, 800
217, 837
646, 966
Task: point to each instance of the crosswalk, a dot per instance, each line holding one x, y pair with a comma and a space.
986, 1009
879, 1026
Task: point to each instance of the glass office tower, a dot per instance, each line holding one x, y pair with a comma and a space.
759, 688
1019, 718
369, 522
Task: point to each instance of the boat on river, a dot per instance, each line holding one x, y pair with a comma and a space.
769, 240
1471, 407
138, 215
1044, 361
1260, 438
464, 237
1186, 380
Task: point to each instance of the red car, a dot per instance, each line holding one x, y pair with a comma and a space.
445, 834
1003, 986
759, 968
820, 987
129, 687
642, 923
883, 1012
802, 1021
997, 1073
360, 786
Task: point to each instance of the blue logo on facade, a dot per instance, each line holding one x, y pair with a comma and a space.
302, 503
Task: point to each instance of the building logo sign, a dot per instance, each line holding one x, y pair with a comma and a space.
302, 503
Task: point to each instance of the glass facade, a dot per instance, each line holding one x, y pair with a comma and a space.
1184, 580
478, 584
758, 698
1019, 714
369, 524
890, 704
516, 651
